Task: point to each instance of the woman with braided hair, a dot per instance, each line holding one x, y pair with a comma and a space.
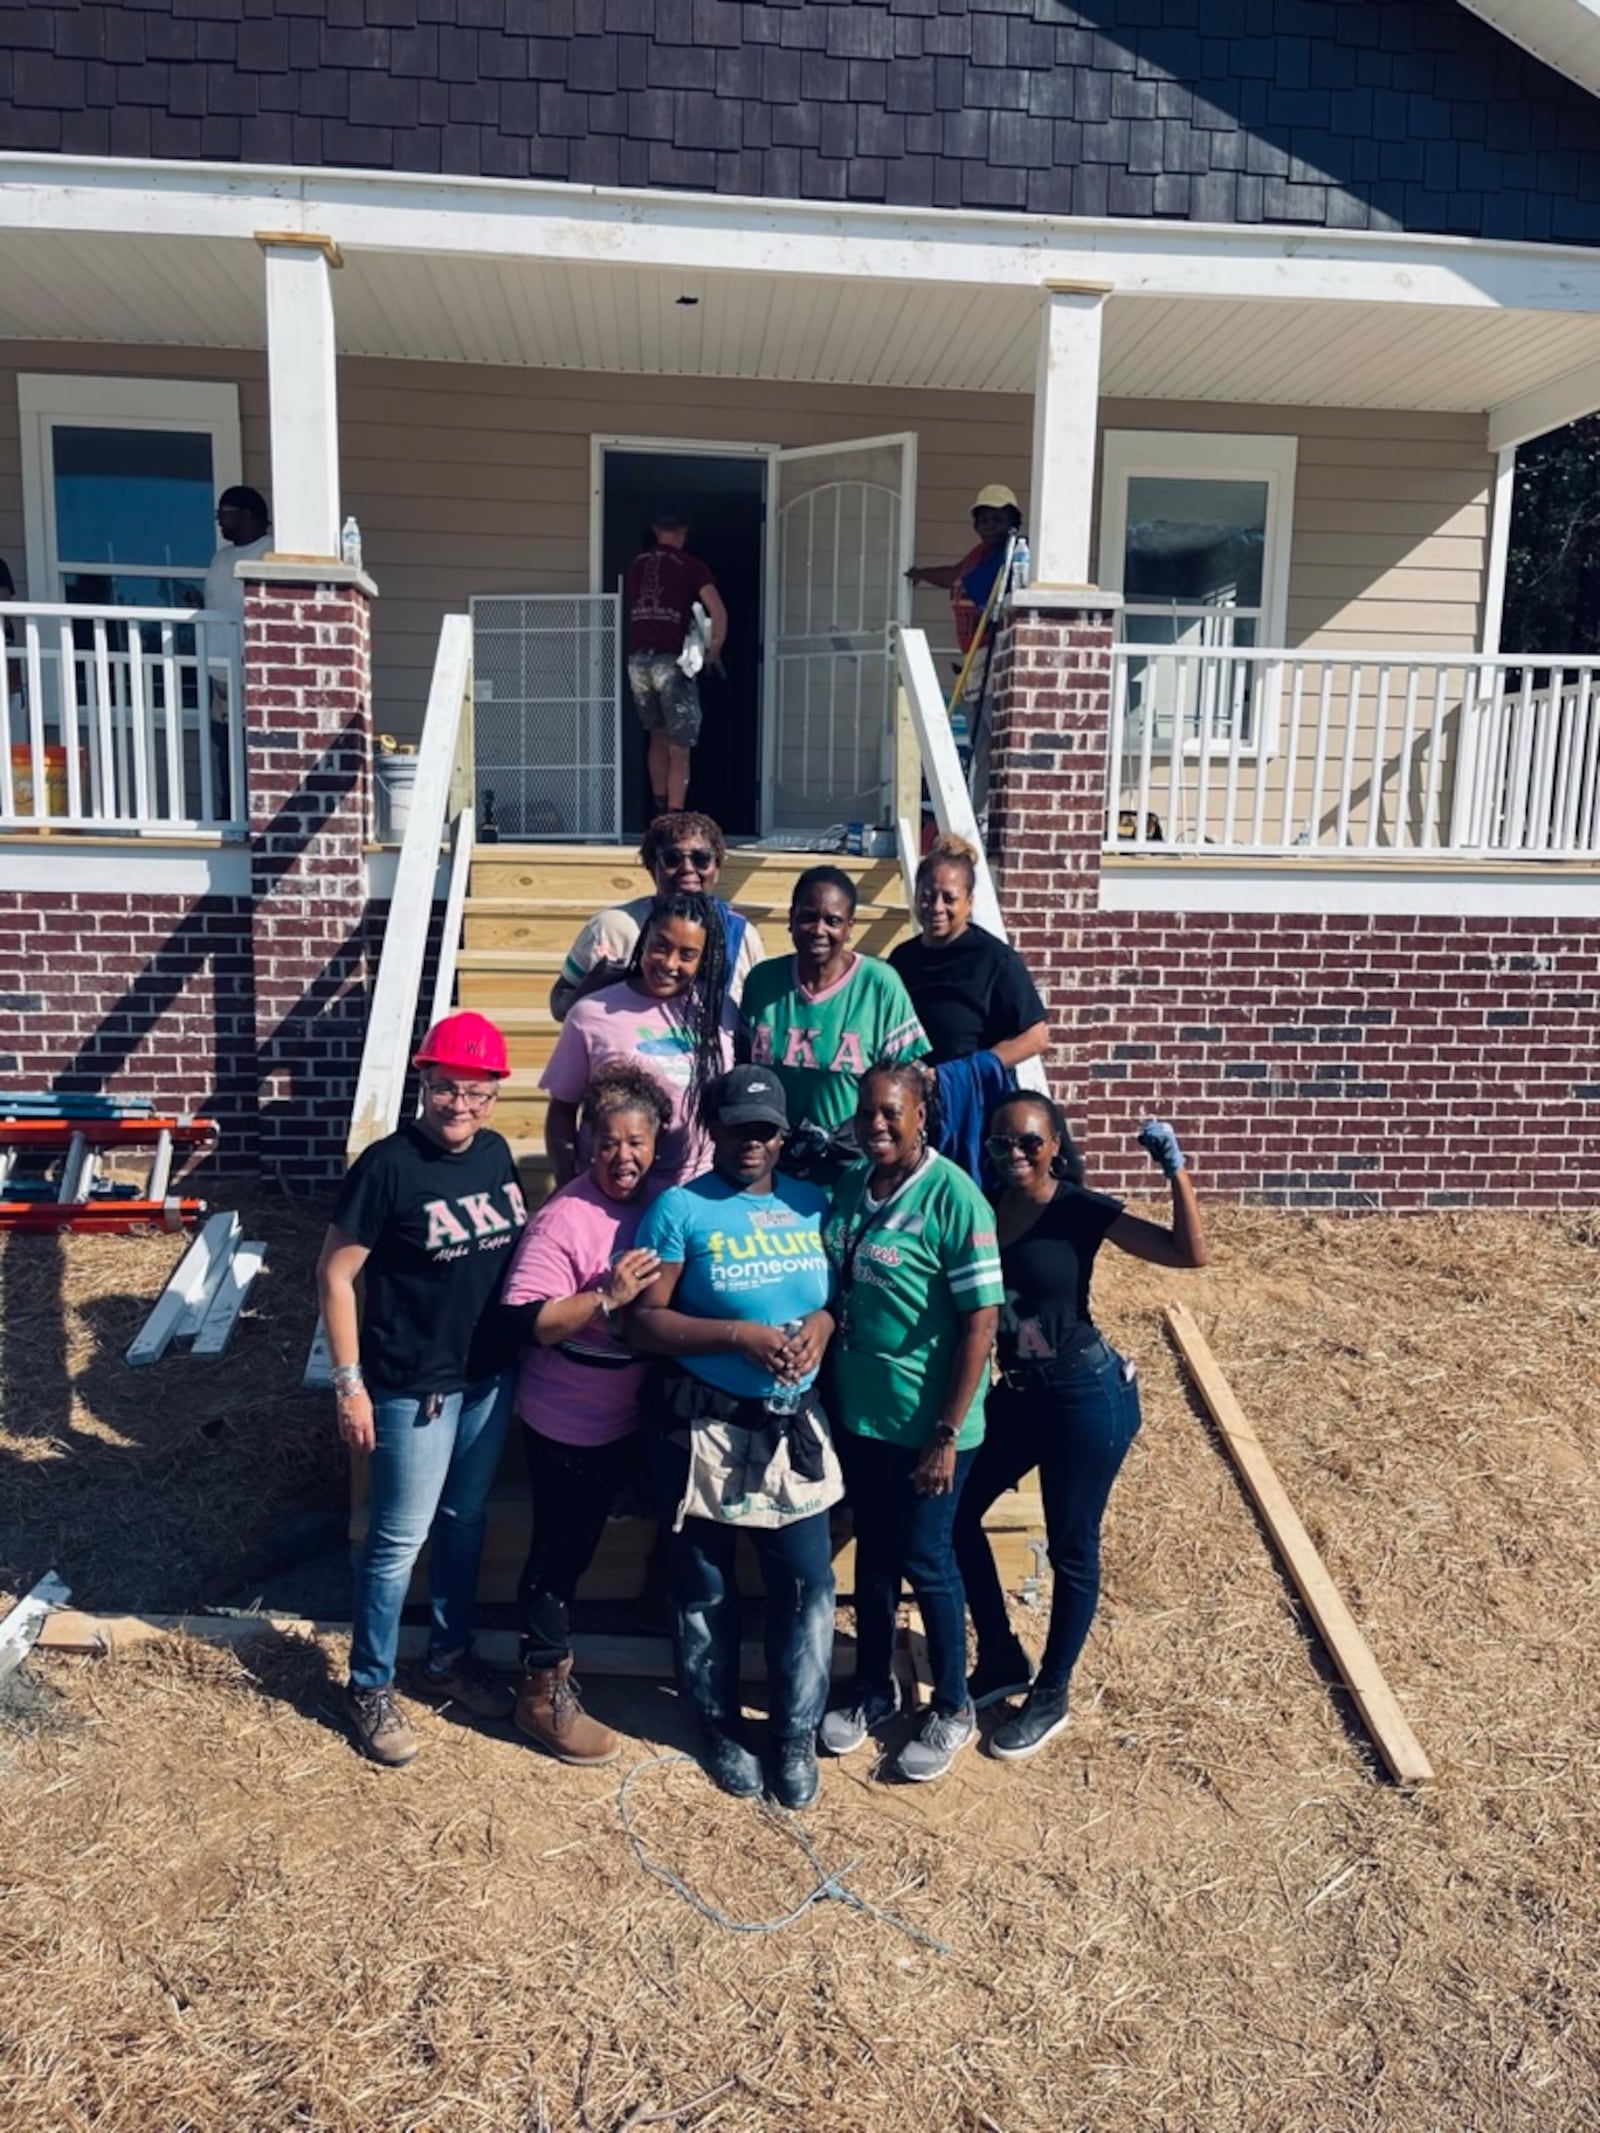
671, 1013
912, 1243
1066, 1401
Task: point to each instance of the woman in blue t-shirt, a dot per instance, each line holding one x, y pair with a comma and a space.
1066, 1401
739, 1315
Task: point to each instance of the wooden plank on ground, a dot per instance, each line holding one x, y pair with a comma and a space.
205, 1262
1348, 1648
222, 1315
643, 1658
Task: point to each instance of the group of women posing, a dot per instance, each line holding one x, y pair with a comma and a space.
772, 1279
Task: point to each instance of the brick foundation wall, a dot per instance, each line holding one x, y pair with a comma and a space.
1320, 1060
133, 995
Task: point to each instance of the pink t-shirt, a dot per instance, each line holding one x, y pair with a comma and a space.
586, 1391
620, 1022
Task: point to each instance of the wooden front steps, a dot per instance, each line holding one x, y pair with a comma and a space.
528, 902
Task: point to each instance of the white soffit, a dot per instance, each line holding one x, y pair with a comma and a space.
626, 320
1565, 34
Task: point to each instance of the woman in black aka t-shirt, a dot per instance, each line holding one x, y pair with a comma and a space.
1066, 1401
430, 1216
972, 992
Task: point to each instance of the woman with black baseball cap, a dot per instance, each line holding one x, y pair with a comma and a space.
739, 1315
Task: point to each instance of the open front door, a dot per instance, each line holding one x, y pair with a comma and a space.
843, 526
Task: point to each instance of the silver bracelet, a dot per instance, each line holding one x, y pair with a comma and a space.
347, 1378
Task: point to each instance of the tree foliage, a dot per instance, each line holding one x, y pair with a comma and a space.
1553, 566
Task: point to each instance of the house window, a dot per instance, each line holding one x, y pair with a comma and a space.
1194, 533
120, 482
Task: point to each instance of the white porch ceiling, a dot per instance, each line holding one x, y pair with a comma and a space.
1565, 34
209, 292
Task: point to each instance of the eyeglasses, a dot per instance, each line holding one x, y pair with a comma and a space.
1000, 1145
449, 1092
696, 856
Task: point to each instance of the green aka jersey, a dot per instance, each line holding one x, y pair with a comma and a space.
820, 1044
909, 1271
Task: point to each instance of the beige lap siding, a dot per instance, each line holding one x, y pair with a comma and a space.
475, 478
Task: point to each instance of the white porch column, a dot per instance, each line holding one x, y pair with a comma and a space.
1066, 405
302, 383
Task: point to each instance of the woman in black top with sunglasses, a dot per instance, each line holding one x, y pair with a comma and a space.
1066, 1402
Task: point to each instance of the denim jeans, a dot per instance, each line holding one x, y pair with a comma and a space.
425, 1477
901, 1535
797, 1570
1076, 1430
574, 1487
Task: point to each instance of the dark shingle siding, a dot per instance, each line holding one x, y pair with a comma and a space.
1353, 114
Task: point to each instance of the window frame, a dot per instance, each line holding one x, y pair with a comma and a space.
1210, 455
47, 401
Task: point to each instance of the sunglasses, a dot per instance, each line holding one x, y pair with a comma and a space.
696, 856
1000, 1145
753, 1129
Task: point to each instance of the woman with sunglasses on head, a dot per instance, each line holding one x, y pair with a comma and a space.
670, 1012
973, 996
821, 1016
1066, 1401
739, 1315
421, 1372
912, 1243
683, 854
576, 1270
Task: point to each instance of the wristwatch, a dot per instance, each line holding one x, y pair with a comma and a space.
945, 1432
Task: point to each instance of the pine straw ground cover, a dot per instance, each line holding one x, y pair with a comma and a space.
1203, 1908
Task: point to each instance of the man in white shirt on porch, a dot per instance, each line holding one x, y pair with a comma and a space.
244, 522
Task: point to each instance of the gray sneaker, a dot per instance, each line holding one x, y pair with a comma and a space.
380, 1726
938, 1741
843, 1730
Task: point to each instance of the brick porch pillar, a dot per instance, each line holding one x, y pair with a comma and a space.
1050, 692
308, 752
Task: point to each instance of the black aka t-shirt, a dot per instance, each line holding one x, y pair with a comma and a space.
440, 1228
969, 994
1046, 1272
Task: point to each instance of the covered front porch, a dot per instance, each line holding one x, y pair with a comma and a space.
1290, 455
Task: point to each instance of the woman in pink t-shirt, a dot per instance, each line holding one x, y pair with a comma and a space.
671, 1014
578, 1387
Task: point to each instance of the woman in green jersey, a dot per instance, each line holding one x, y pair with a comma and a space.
912, 1242
822, 1016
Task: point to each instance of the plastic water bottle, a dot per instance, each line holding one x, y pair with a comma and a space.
350, 543
1021, 562
786, 1399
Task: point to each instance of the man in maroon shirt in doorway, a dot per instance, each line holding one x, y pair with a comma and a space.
662, 587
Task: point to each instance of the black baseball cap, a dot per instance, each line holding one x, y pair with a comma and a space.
750, 1096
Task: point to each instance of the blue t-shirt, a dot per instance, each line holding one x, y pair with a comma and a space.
749, 1255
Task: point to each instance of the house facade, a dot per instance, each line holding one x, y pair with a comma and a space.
1250, 304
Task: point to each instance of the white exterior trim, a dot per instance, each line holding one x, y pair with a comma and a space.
1467, 890
1546, 407
303, 390
505, 218
1066, 416
1494, 565
124, 870
45, 398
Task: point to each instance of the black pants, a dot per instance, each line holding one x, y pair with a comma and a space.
1076, 1431
574, 1487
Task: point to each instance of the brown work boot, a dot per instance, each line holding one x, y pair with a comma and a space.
549, 1712
379, 1725
466, 1681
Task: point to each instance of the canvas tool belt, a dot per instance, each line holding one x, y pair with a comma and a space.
747, 1465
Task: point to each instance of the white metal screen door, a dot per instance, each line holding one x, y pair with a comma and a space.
843, 522
545, 712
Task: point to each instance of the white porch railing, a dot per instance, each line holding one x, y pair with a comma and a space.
122, 719
1378, 754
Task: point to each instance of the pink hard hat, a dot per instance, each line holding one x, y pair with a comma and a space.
467, 1044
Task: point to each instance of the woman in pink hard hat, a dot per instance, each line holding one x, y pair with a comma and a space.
422, 1373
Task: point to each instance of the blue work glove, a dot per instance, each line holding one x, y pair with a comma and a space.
1160, 1143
